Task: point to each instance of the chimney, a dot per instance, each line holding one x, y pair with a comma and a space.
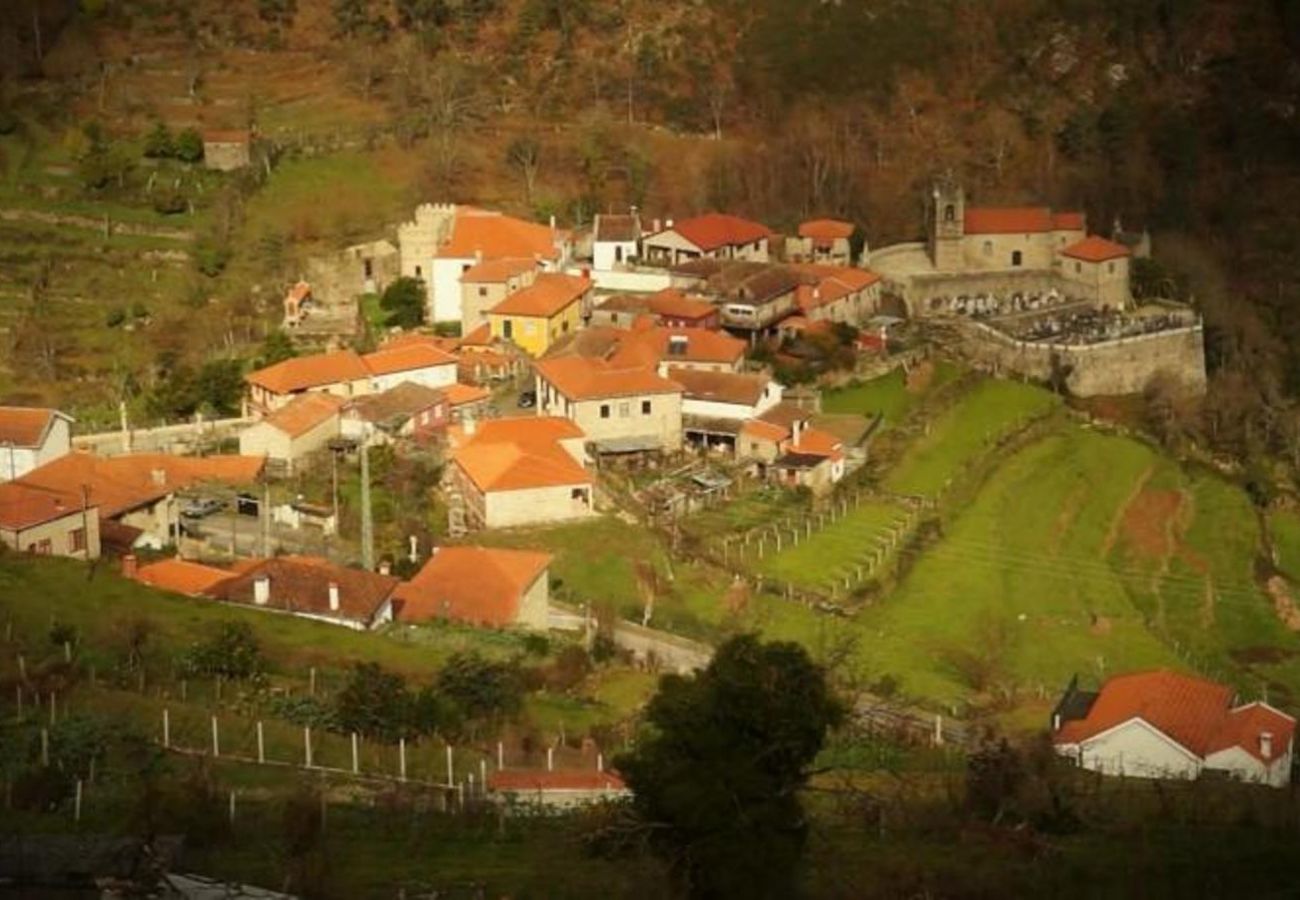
334, 597
158, 476
1266, 744
478, 256
654, 226
552, 221
130, 565
385, 567
469, 426
668, 223
797, 429
262, 589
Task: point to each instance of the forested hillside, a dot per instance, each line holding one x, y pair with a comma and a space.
1179, 116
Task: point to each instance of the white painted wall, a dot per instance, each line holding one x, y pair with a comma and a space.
444, 287
535, 506
430, 376
605, 254
15, 462
1136, 749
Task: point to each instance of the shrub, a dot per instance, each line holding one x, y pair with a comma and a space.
231, 652
115, 317
158, 144
189, 146
170, 202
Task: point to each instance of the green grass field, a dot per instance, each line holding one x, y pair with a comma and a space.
887, 394
832, 553
965, 431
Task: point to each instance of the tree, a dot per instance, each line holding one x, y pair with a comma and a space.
276, 347
231, 651
404, 301
374, 703
189, 146
716, 778
525, 154
158, 143
482, 689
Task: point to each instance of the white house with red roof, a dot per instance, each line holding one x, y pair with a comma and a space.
824, 241
712, 235
782, 445
1163, 724
31, 437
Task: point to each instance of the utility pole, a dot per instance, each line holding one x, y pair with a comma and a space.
367, 526
264, 510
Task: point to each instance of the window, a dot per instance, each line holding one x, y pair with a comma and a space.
464, 268
1110, 268
418, 273
507, 329
604, 410
950, 213
1016, 257
624, 410
482, 292
645, 407
76, 540
578, 494
368, 267
41, 548
564, 326
618, 254
1078, 267
988, 248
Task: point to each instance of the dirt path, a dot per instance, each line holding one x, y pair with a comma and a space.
92, 224
1112, 533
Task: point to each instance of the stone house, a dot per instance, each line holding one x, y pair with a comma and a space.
341, 373
483, 586
486, 284
31, 437
715, 405
1165, 725
303, 426
837, 294
755, 298
414, 359
47, 523
782, 446
542, 313
518, 471
408, 411
227, 150
824, 241
620, 409
1100, 269
668, 308
711, 236
614, 240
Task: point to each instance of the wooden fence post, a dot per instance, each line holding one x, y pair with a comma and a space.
356, 763
450, 776
45, 747
216, 739
167, 729
401, 758
261, 744
76, 803
232, 806
306, 744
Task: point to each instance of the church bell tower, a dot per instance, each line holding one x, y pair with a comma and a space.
946, 229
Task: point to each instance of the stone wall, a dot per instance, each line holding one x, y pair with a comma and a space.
1109, 368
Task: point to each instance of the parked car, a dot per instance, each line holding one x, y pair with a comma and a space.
528, 399
247, 504
202, 507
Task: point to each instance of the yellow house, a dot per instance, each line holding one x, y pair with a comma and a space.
540, 314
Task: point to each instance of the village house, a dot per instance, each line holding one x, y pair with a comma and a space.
752, 297
297, 304
782, 446
135, 494
537, 316
31, 437
823, 241
486, 284
652, 347
517, 471
466, 401
303, 426
716, 404
837, 294
668, 308
483, 586
408, 411
621, 409
1100, 269
178, 576
227, 150
415, 360
444, 241
614, 240
1162, 724
341, 373
554, 789
712, 236
48, 523
484, 359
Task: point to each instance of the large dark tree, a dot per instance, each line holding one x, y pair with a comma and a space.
404, 301
717, 777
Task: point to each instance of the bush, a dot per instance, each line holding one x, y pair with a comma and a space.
404, 302
232, 652
170, 202
536, 644
115, 317
158, 144
481, 688
189, 146
62, 633
211, 257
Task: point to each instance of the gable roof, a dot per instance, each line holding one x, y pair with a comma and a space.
549, 294
580, 378
1095, 249
301, 584
408, 356
227, 136
713, 230
494, 235
181, 576
824, 231
26, 426
301, 373
496, 271
1007, 220
26, 506
620, 229
1069, 221
304, 412
519, 453
120, 483
720, 387
673, 303
661, 344
397, 403
460, 394
482, 585
1195, 713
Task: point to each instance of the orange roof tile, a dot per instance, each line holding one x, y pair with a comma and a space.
673, 303
648, 346
1068, 221
1192, 711
720, 387
480, 585
579, 378
1008, 220
300, 584
182, 577
537, 780
460, 394
495, 271
548, 295
1095, 249
25, 426
713, 230
304, 372
767, 431
299, 292
816, 442
477, 231
26, 506
518, 453
226, 136
824, 231
408, 356
445, 344
305, 412
479, 337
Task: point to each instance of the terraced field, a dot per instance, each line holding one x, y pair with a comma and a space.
834, 552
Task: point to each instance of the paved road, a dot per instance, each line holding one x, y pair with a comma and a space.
218, 530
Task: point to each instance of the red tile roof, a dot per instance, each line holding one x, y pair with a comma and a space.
480, 585
479, 337
477, 231
182, 577
767, 431
304, 372
713, 230
301, 584
579, 378
519, 453
674, 304
1069, 221
523, 780
24, 506
25, 426
227, 136
1008, 220
305, 412
408, 356
720, 387
1095, 249
824, 231
548, 295
1194, 712
460, 394
648, 346
495, 271
815, 442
